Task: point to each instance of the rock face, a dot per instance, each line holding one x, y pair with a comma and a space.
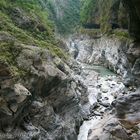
133, 55
110, 52
128, 113
106, 15
40, 97
65, 13
108, 128
118, 55
46, 104
125, 125
133, 8
127, 107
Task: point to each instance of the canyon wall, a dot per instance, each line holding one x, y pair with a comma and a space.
120, 56
64, 13
104, 14
116, 15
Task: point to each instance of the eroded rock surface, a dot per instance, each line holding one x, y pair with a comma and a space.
109, 52
114, 113
48, 103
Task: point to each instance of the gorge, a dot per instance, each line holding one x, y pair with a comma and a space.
65, 80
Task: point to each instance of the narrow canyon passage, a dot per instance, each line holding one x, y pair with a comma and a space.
103, 87
69, 69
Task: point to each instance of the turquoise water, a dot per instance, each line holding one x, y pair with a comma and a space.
99, 69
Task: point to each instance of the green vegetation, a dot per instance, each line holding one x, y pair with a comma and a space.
88, 9
28, 19
96, 12
8, 53
66, 15
93, 33
104, 13
121, 34
24, 22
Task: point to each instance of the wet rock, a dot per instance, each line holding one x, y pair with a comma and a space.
95, 113
104, 125
94, 106
106, 98
115, 95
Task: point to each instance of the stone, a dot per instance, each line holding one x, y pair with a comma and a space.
14, 107
108, 128
128, 106
5, 36
21, 90
105, 104
136, 67
104, 88
4, 71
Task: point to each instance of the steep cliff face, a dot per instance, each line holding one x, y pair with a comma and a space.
133, 8
45, 103
106, 51
65, 14
112, 13
104, 14
133, 54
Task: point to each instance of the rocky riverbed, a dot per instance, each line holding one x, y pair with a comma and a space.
103, 87
113, 104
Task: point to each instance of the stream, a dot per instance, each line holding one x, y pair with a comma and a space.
104, 87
